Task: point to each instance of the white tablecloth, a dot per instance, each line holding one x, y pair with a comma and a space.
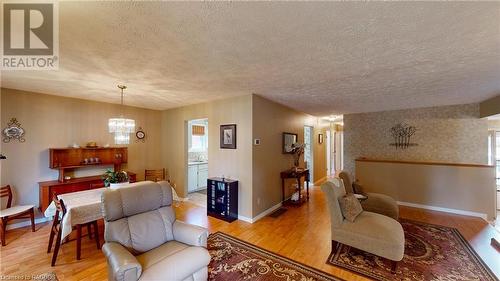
81, 207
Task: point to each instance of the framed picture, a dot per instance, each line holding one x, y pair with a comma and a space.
228, 136
320, 138
288, 140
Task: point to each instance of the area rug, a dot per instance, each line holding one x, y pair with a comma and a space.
432, 252
233, 259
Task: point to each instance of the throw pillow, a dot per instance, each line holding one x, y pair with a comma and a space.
350, 207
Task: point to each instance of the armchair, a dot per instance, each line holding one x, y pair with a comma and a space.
375, 202
370, 232
144, 241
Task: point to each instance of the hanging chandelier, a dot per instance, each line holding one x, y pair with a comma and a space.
121, 127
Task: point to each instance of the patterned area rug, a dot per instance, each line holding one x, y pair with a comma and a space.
233, 259
432, 252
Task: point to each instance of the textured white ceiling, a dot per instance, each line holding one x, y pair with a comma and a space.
318, 57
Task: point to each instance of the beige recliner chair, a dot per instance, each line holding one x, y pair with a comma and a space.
144, 241
371, 232
375, 202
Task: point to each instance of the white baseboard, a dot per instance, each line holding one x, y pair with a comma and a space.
245, 219
27, 223
261, 215
266, 212
447, 210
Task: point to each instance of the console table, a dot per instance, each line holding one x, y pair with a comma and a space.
298, 175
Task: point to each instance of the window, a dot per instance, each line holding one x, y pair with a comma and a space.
198, 143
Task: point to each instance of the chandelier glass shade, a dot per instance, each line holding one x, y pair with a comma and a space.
122, 138
121, 126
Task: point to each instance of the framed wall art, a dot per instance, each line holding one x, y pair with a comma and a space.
13, 131
228, 136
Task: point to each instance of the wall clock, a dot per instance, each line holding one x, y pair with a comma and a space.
140, 135
13, 131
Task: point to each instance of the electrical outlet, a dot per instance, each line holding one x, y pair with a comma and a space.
258, 201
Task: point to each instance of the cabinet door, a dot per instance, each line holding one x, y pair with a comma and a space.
202, 176
192, 178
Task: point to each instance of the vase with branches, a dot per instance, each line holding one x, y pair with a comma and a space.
297, 151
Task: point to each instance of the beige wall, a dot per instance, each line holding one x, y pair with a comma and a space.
469, 189
232, 163
52, 121
445, 134
490, 107
270, 120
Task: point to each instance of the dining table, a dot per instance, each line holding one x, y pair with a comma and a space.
81, 207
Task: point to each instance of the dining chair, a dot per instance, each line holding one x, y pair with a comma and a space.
155, 175
55, 231
14, 212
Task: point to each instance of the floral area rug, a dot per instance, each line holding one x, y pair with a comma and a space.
233, 259
432, 252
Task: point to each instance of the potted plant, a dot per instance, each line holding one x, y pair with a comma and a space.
115, 179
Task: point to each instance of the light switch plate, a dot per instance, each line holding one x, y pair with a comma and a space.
256, 141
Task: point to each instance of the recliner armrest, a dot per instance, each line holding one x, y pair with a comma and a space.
190, 234
123, 266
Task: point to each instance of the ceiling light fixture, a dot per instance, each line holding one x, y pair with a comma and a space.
334, 118
120, 126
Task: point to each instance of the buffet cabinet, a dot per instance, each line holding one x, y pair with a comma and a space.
222, 199
47, 189
64, 159
69, 159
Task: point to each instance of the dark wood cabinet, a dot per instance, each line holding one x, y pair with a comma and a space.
222, 199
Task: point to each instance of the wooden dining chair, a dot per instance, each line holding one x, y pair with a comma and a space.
14, 212
56, 232
155, 175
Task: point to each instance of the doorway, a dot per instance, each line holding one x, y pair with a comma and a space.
197, 161
338, 149
329, 163
334, 150
308, 150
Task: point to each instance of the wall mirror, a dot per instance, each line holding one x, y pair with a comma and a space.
288, 140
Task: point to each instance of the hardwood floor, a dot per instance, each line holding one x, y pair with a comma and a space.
301, 234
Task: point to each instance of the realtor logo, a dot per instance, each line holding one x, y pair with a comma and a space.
30, 36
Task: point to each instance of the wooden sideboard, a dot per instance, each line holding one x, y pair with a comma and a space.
72, 158
47, 189
64, 159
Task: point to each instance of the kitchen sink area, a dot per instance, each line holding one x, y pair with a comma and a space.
197, 166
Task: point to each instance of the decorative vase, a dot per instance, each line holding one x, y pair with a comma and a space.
118, 185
